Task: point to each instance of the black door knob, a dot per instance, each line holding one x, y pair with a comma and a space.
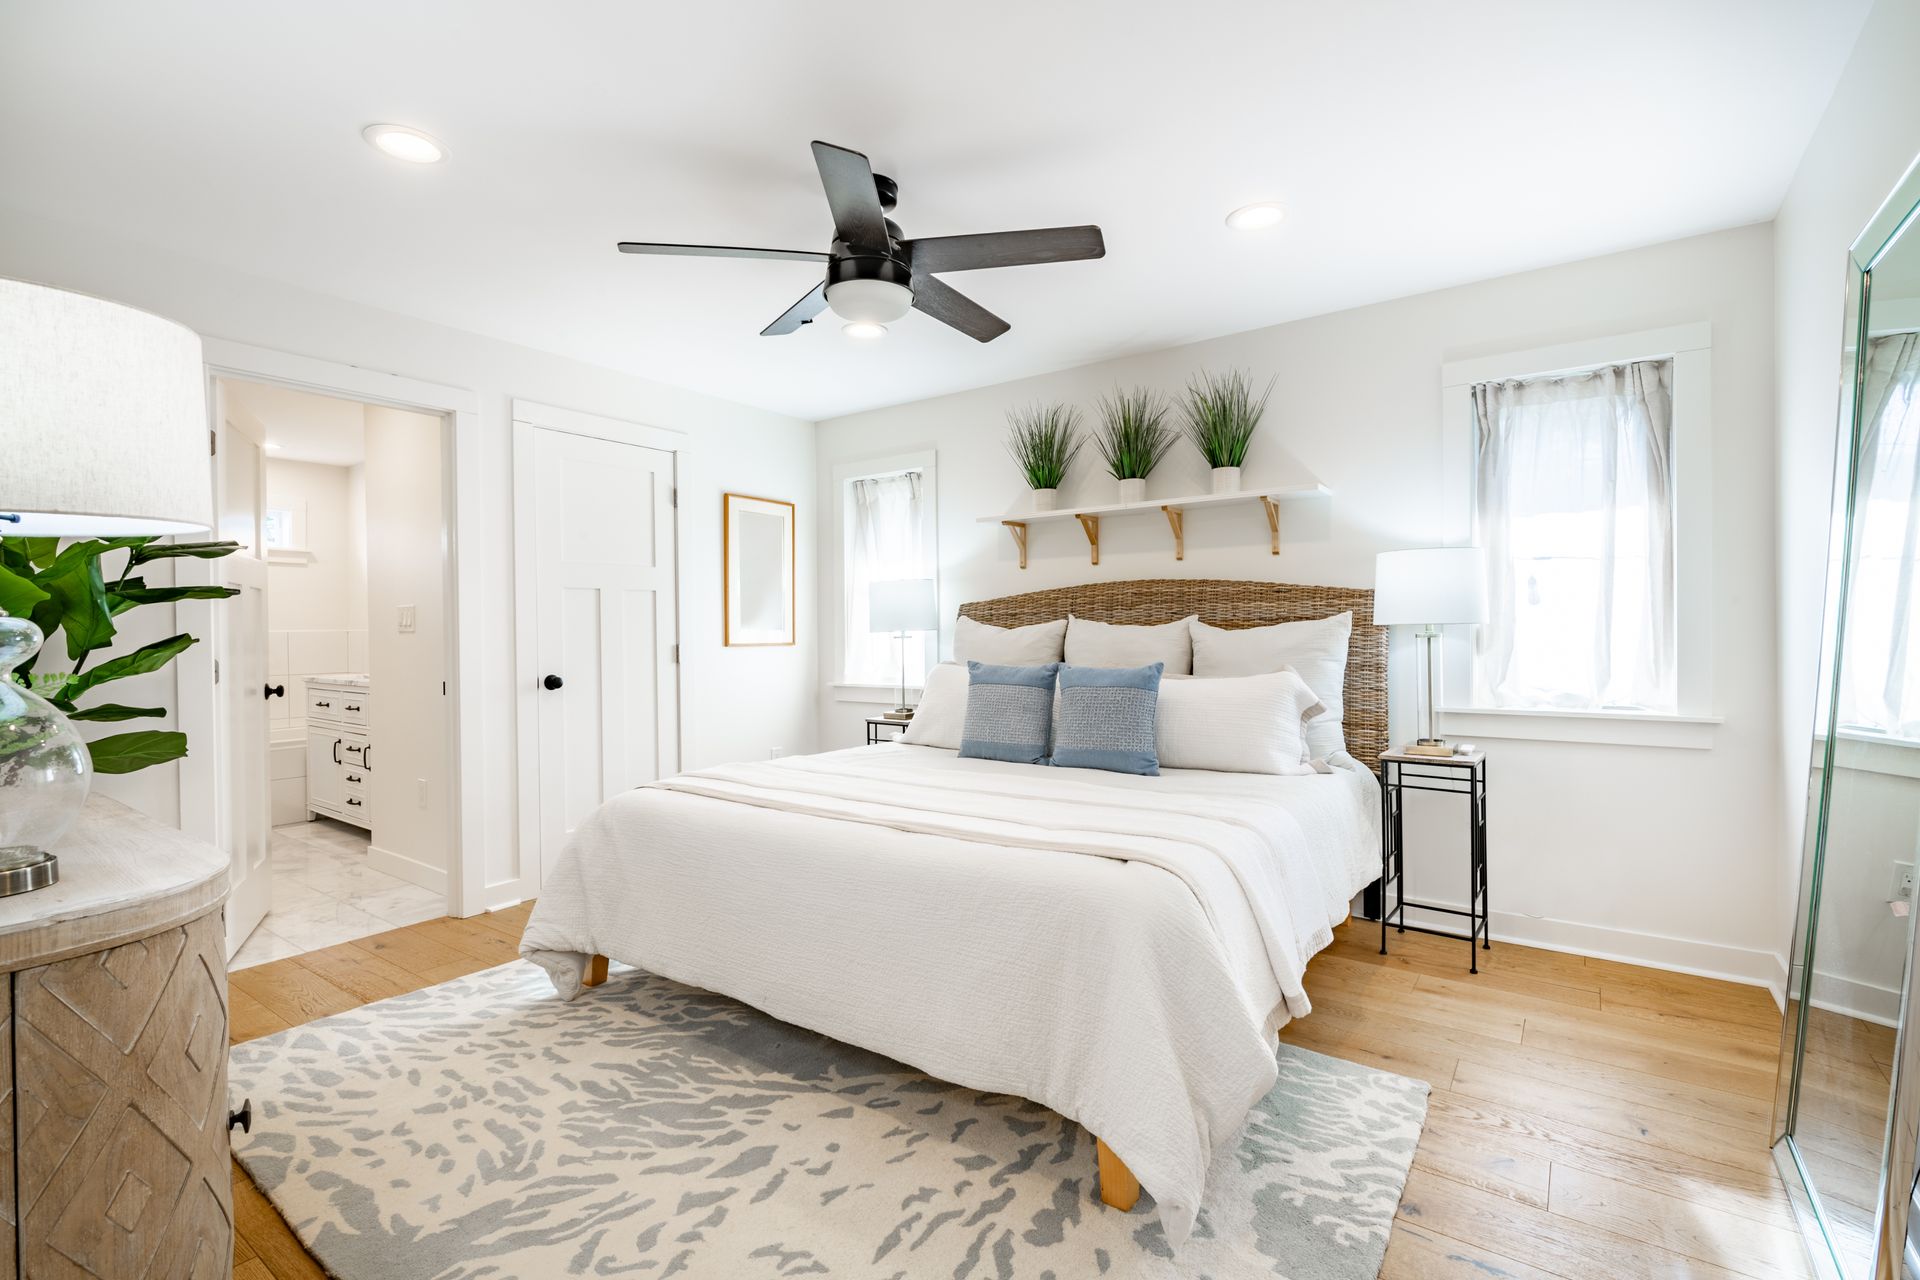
276, 691
243, 1117
553, 682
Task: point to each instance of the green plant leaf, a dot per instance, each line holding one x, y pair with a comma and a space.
141, 749
115, 711
39, 551
18, 593
138, 663
136, 592
174, 550
76, 603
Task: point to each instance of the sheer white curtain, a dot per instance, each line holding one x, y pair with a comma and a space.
1574, 508
886, 539
1880, 677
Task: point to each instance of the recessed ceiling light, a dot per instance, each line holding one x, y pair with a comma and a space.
864, 330
403, 143
1256, 217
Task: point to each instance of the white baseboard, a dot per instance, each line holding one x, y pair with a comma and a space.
408, 869
1629, 946
1864, 1000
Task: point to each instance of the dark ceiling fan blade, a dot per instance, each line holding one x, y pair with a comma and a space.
799, 313
951, 307
719, 251
858, 218
1005, 249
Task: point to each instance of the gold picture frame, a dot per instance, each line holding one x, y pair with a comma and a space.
758, 584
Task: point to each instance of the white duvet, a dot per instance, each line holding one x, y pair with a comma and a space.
1119, 948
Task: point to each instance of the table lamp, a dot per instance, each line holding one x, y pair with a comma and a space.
1429, 588
902, 605
103, 425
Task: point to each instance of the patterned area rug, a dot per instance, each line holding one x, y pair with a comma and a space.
484, 1128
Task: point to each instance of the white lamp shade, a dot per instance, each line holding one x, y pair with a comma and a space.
1436, 586
103, 418
902, 604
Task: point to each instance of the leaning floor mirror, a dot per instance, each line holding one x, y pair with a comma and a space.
1848, 1107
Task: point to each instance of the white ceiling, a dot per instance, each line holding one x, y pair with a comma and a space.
1415, 145
302, 426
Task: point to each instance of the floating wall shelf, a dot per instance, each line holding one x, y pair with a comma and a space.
1175, 509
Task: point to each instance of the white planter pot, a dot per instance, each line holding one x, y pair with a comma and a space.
1133, 490
1226, 479
1045, 499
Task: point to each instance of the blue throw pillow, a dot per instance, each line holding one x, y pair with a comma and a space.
1009, 712
1107, 717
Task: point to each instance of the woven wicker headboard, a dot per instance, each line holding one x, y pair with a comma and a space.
1227, 603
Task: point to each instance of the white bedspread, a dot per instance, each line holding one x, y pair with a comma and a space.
1118, 948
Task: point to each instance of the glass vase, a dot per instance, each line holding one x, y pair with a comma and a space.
45, 770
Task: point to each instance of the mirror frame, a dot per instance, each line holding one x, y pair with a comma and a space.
1898, 214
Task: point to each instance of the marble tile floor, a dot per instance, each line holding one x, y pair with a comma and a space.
325, 893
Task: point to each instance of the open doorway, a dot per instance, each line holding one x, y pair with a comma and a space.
342, 502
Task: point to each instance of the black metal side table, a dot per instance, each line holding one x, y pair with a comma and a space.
1460, 775
877, 727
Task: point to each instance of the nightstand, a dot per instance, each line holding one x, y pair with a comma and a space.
877, 727
1460, 775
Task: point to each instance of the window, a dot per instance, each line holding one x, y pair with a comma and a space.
1574, 507
1880, 674
887, 523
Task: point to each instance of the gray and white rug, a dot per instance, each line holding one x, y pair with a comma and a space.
484, 1128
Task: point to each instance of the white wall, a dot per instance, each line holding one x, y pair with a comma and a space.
407, 727
738, 703
1867, 138
1653, 854
327, 590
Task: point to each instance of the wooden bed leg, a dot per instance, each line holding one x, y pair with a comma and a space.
1118, 1187
596, 971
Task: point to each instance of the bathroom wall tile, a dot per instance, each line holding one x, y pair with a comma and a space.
356, 651
311, 653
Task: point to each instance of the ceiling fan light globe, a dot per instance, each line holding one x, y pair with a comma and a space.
878, 302
863, 330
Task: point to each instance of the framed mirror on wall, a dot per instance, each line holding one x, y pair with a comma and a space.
1847, 1112
757, 547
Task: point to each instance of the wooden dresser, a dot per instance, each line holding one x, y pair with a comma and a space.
113, 1059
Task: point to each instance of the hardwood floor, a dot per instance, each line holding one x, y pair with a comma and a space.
1587, 1119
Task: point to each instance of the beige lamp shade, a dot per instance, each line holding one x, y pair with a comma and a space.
902, 604
1432, 586
103, 418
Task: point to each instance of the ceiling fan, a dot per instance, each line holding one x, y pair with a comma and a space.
874, 276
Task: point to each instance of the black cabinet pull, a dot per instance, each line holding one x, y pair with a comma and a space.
328, 705
353, 802
336, 750
243, 1117
353, 706
553, 682
366, 754
276, 691
353, 777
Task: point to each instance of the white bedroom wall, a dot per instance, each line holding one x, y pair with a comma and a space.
1865, 141
738, 703
1653, 854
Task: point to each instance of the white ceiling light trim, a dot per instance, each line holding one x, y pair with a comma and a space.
402, 143
1257, 217
863, 330
869, 301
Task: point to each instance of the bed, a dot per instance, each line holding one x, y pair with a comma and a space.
1119, 948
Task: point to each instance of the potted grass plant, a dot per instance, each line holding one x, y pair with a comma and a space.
1043, 440
1133, 436
1221, 412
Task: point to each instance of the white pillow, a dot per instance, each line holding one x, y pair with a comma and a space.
942, 713
1317, 650
1033, 646
1108, 644
1240, 724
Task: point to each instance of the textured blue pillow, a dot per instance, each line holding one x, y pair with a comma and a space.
1107, 717
1009, 712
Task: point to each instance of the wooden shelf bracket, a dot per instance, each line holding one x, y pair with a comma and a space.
1179, 525
1273, 522
1018, 528
1091, 526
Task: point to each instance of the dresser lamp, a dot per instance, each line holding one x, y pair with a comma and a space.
1428, 589
103, 425
902, 605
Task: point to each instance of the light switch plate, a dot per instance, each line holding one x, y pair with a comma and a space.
406, 619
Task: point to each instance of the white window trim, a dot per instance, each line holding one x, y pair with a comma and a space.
1693, 721
844, 473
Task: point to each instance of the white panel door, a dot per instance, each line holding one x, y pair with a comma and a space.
240, 684
607, 624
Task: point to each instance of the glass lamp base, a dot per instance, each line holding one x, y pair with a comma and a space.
24, 869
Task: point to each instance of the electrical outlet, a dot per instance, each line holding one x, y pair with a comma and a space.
406, 619
422, 783
1903, 881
